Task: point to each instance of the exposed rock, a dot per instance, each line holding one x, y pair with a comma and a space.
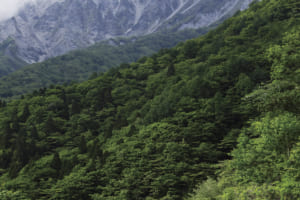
53, 27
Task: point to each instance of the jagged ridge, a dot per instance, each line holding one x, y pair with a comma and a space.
51, 28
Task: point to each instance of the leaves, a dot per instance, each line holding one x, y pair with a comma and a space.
155, 128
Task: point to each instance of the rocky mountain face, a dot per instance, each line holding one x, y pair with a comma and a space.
49, 28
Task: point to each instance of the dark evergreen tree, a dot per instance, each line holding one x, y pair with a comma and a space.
64, 110
95, 151
21, 151
5, 159
171, 70
15, 121
7, 135
82, 145
34, 133
75, 107
25, 114
50, 125
56, 162
132, 131
14, 169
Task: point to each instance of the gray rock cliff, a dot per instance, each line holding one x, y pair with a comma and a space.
53, 27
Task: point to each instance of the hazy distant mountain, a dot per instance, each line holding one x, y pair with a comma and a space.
53, 27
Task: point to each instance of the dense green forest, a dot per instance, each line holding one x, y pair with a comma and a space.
219, 113
79, 65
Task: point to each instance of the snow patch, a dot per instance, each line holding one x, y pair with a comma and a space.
139, 10
191, 6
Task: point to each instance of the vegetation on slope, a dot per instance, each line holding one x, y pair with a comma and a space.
9, 62
156, 128
265, 162
81, 64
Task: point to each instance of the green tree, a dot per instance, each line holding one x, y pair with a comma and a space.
56, 162
82, 145
25, 113
171, 70
75, 107
50, 125
12, 195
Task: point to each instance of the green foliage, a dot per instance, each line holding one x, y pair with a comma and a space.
11, 195
264, 164
156, 128
80, 65
285, 57
56, 162
260, 159
208, 190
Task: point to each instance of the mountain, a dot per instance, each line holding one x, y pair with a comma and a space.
46, 28
79, 65
9, 61
221, 111
42, 24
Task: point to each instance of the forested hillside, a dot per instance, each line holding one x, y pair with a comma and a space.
9, 61
79, 65
222, 108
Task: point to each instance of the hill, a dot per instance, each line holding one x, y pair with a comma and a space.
157, 127
9, 61
81, 64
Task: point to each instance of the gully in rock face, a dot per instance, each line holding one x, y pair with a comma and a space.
50, 28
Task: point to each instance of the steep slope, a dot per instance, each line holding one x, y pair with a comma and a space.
155, 128
79, 65
51, 28
9, 61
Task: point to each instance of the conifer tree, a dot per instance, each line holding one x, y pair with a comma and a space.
82, 145
56, 162
75, 107
50, 126
34, 133
171, 70
25, 113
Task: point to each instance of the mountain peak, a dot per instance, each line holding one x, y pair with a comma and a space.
44, 29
